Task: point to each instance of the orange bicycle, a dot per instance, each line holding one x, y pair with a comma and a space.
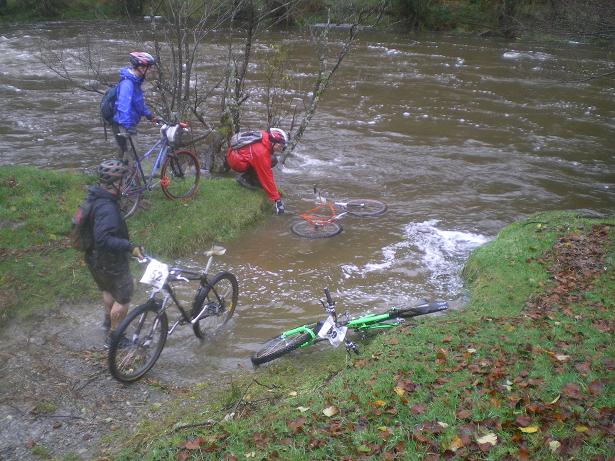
322, 220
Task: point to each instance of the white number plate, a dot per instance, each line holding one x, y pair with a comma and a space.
155, 274
334, 334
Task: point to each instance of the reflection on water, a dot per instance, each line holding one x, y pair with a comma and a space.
460, 136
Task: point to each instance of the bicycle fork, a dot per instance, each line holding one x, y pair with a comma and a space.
148, 336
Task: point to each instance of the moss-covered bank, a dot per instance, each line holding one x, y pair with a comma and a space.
525, 371
39, 270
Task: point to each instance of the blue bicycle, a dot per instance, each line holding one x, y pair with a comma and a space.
179, 170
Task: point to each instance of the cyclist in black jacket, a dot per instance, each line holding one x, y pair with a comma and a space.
108, 259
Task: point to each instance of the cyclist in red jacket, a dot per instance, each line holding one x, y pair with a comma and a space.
255, 162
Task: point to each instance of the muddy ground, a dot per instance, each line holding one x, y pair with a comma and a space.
57, 398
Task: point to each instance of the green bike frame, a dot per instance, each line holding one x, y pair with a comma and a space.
366, 322
334, 328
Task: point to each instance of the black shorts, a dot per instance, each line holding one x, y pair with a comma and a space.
119, 284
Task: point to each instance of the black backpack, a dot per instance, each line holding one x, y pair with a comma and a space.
81, 233
107, 104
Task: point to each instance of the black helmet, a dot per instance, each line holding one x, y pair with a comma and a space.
141, 58
111, 171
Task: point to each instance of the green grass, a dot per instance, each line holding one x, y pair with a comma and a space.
175, 228
38, 270
436, 388
499, 272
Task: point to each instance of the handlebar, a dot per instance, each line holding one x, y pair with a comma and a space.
175, 273
160, 122
179, 273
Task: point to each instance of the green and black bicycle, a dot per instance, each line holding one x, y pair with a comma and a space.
334, 328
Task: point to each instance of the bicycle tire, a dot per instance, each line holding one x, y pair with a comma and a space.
180, 174
420, 309
220, 298
313, 231
129, 362
366, 207
130, 193
277, 347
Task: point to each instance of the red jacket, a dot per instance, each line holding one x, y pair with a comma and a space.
258, 156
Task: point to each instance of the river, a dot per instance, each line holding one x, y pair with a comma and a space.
460, 136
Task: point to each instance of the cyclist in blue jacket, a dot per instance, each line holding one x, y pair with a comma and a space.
130, 105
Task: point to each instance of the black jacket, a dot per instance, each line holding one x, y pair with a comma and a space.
111, 241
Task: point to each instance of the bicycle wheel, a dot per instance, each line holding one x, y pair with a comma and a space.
130, 193
219, 300
366, 207
180, 174
420, 309
138, 342
278, 346
315, 231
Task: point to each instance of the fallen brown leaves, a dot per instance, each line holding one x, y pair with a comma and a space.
574, 263
503, 399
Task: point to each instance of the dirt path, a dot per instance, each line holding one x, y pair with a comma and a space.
56, 395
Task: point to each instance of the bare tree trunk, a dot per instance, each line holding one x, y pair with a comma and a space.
325, 74
507, 19
178, 39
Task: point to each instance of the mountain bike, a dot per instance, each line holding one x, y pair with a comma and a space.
322, 220
139, 339
179, 169
334, 328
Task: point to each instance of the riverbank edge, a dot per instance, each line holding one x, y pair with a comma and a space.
38, 268
525, 371
518, 20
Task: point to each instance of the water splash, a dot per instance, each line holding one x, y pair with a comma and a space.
425, 248
518, 55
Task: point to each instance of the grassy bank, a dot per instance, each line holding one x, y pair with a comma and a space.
525, 371
39, 270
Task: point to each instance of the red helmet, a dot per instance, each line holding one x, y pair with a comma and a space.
141, 58
278, 135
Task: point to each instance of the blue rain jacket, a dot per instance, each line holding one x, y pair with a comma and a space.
130, 105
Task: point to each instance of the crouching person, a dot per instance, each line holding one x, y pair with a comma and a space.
255, 160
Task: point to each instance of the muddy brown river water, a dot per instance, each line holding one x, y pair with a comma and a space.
459, 135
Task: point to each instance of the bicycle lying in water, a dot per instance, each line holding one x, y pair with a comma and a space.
180, 170
321, 221
334, 328
139, 339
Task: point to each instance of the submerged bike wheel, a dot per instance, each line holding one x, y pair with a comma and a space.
215, 304
180, 174
130, 193
137, 343
278, 346
366, 207
315, 231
